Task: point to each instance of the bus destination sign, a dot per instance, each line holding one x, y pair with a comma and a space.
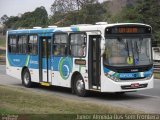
128, 30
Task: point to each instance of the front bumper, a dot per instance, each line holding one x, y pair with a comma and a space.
108, 85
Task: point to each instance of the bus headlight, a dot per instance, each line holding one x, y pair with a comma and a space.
149, 77
112, 77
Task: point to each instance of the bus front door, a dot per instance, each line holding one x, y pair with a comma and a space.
45, 51
94, 61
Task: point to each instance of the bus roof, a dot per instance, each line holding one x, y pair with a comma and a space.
72, 28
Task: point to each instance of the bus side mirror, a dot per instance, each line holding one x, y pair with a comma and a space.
102, 45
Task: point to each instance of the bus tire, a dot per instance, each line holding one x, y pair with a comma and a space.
79, 86
26, 78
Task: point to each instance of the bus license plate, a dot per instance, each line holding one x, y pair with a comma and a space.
135, 85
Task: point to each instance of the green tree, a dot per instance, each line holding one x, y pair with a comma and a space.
63, 12
39, 17
150, 10
77, 12
143, 11
91, 13
63, 6
10, 23
3, 19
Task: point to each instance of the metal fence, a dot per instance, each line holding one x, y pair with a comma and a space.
2, 59
156, 68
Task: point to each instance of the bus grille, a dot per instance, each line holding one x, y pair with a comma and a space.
130, 87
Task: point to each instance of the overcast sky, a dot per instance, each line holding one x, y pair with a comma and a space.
14, 7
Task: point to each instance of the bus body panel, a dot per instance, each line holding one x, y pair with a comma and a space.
61, 69
108, 85
14, 71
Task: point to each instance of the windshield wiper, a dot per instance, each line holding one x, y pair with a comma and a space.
127, 49
137, 49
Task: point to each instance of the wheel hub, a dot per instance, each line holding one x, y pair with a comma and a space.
80, 85
26, 78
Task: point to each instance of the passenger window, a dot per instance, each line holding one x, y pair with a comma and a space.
60, 45
33, 44
78, 44
22, 44
12, 44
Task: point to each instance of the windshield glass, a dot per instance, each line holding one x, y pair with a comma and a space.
127, 51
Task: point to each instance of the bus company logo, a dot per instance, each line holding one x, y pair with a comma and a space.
127, 75
16, 60
33, 62
65, 67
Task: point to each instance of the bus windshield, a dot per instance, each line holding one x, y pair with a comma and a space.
127, 51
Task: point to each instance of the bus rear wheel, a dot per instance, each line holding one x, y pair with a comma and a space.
26, 78
79, 86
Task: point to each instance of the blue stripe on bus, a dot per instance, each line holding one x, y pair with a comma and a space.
34, 31
33, 62
129, 75
17, 60
74, 29
41, 31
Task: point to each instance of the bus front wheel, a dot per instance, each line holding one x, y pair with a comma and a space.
79, 86
26, 78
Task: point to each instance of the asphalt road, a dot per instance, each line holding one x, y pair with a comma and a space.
147, 100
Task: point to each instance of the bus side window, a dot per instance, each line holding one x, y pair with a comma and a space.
32, 44
9, 44
60, 45
49, 47
22, 44
78, 44
12, 45
29, 48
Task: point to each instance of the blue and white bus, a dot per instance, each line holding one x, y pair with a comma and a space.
102, 57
